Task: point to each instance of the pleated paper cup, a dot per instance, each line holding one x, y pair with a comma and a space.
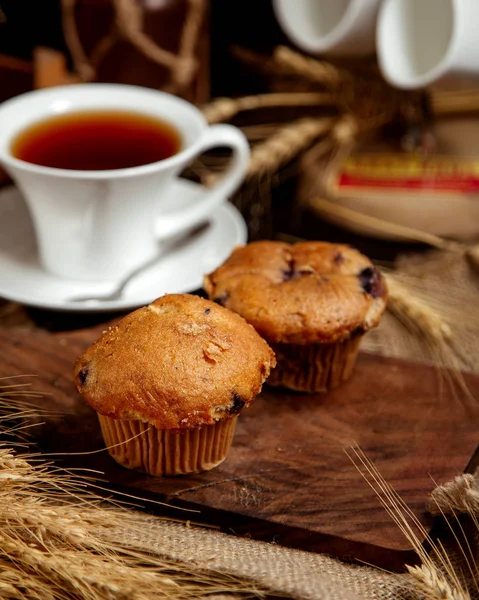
314, 367
141, 446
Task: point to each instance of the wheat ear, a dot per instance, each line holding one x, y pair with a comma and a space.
286, 144
309, 68
436, 577
224, 109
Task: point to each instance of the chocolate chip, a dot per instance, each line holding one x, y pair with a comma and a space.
237, 405
371, 282
288, 275
338, 258
207, 311
290, 272
82, 375
223, 299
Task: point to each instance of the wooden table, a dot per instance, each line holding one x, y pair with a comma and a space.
288, 478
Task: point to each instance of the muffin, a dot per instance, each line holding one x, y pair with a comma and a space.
169, 381
312, 302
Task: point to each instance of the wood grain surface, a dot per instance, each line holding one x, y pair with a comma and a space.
288, 478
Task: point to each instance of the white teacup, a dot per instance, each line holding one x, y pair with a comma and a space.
97, 225
340, 27
425, 42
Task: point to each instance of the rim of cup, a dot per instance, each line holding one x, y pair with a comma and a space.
396, 41
184, 153
309, 40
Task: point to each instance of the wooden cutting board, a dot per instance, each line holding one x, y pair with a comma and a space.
288, 478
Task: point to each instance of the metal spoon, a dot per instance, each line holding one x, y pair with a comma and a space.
166, 247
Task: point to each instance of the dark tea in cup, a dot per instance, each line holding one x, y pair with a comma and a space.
97, 140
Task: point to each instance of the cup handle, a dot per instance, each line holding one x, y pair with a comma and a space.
217, 135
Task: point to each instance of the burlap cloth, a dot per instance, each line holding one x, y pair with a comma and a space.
293, 573
282, 571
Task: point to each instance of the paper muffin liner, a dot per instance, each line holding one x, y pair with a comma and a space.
138, 445
314, 367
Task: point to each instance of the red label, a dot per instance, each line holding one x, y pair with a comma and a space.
404, 172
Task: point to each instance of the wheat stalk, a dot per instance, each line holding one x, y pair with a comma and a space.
280, 148
224, 109
422, 319
436, 577
406, 233
261, 62
416, 313
310, 68
286, 144
401, 231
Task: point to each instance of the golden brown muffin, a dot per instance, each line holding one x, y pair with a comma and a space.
175, 374
311, 301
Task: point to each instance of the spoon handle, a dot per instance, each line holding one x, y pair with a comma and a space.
166, 247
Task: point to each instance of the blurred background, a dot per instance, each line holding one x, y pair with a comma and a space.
313, 121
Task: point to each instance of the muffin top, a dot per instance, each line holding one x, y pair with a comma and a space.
180, 363
310, 292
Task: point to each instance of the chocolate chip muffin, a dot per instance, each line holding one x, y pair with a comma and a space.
312, 301
169, 381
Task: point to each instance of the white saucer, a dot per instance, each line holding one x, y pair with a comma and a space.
23, 280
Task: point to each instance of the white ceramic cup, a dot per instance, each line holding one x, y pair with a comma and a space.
340, 27
425, 42
98, 225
